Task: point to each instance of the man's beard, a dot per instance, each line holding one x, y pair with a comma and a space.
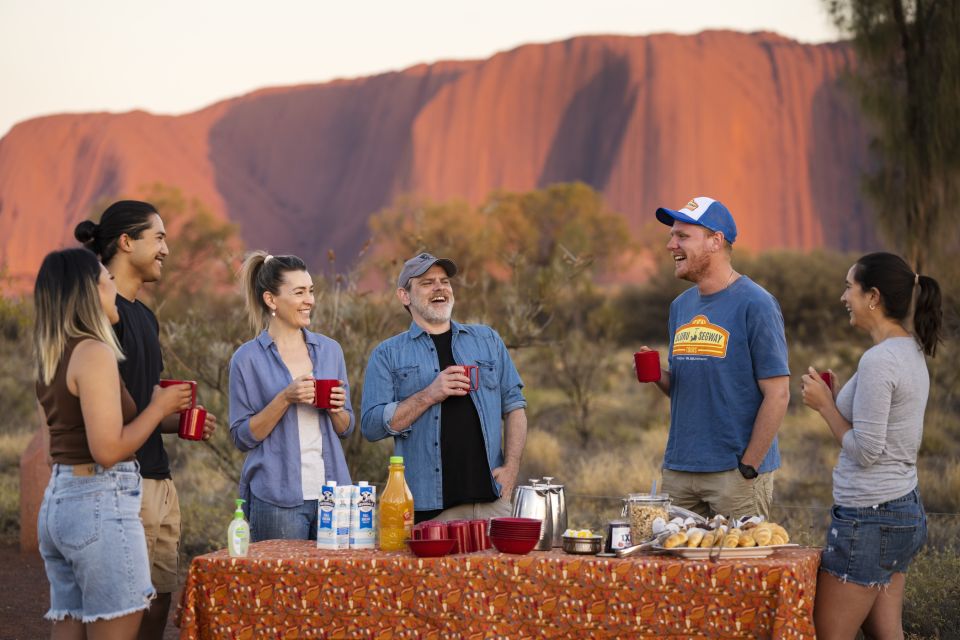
432, 314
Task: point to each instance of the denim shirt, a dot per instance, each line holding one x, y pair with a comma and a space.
271, 469
407, 363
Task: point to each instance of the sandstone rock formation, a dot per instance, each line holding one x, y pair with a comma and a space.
757, 120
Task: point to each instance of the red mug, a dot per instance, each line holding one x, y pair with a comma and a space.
460, 531
478, 535
193, 388
433, 530
191, 423
322, 389
827, 378
472, 371
647, 364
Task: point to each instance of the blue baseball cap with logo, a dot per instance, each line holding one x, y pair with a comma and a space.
705, 212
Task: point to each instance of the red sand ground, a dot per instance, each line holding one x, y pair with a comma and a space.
26, 597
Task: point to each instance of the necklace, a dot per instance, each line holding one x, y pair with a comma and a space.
730, 280
733, 272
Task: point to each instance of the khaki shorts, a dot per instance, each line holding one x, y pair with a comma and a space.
160, 513
500, 508
724, 492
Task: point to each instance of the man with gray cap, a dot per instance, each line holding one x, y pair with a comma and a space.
728, 379
446, 392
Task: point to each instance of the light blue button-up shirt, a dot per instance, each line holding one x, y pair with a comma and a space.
407, 363
272, 466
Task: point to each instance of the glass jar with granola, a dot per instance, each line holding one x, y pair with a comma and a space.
642, 509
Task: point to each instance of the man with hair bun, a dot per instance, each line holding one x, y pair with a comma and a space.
131, 242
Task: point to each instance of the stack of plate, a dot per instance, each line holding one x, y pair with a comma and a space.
515, 535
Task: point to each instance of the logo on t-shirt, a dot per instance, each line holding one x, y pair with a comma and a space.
700, 338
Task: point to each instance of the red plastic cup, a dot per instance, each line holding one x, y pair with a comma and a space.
193, 388
472, 371
478, 535
434, 530
827, 378
460, 531
648, 365
322, 389
191, 423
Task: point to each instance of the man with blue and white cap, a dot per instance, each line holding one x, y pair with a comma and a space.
461, 436
728, 378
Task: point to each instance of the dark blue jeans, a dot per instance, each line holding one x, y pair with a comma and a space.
270, 522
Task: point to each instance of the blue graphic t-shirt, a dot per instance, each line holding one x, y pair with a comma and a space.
720, 346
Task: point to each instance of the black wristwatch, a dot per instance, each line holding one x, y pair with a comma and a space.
746, 470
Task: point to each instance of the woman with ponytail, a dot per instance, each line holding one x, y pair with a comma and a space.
292, 447
91, 537
878, 523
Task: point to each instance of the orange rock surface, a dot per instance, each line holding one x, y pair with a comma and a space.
756, 120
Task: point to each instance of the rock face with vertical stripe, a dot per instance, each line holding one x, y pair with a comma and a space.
756, 120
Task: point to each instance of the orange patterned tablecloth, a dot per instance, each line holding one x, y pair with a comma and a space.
290, 589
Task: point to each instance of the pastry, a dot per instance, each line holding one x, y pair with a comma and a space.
674, 540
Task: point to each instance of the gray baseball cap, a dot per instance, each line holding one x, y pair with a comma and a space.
419, 264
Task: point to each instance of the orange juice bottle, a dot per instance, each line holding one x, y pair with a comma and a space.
396, 509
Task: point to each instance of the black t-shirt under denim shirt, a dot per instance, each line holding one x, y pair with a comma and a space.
466, 472
139, 335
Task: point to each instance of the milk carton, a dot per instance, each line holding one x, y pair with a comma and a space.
333, 516
363, 498
342, 510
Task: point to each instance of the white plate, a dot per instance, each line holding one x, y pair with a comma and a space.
698, 553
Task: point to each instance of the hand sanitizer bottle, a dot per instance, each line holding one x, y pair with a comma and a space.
238, 533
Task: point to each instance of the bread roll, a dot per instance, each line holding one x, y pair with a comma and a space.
694, 536
746, 540
762, 535
780, 531
674, 540
732, 538
707, 540
777, 539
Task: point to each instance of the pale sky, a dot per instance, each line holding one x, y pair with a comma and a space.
177, 56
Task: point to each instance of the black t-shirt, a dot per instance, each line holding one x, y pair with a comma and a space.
466, 472
139, 335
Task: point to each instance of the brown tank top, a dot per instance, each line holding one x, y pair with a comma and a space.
68, 435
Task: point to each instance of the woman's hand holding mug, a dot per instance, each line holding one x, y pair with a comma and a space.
301, 390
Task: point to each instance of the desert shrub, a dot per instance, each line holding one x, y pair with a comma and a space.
932, 592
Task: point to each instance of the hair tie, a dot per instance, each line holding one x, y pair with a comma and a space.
267, 259
916, 279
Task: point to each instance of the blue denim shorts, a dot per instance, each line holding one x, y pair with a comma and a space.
867, 545
92, 543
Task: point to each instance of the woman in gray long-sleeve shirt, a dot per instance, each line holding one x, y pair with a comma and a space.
878, 522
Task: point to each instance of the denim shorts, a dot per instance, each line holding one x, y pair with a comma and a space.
867, 545
92, 543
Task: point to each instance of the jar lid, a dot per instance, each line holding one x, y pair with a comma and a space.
647, 497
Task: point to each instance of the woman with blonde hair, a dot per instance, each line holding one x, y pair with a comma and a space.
292, 447
878, 523
89, 528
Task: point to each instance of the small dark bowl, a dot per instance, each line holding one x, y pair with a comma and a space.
432, 548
